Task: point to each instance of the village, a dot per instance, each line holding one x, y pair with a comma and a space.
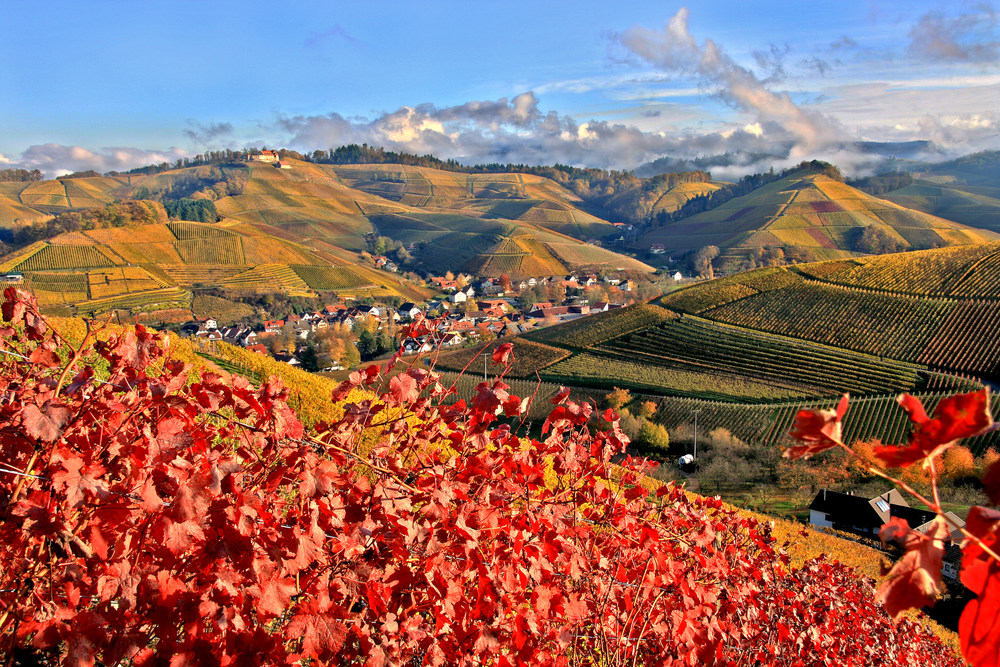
464, 311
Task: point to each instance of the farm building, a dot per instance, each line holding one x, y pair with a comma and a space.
266, 156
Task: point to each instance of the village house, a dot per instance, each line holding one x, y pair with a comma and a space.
266, 156
657, 249
273, 326
283, 165
865, 516
494, 303
409, 310
444, 284
214, 335
458, 297
492, 290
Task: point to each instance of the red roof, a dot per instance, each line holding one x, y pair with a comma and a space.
258, 348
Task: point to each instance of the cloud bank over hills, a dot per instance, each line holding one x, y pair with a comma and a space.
691, 97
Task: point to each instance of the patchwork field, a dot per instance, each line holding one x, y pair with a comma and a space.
153, 267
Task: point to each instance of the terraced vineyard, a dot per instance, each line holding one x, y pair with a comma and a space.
105, 283
595, 329
606, 372
950, 333
269, 277
328, 277
769, 336
886, 325
201, 274
695, 343
926, 272
56, 257
868, 418
169, 297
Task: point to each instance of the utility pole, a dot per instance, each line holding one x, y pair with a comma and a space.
484, 364
696, 432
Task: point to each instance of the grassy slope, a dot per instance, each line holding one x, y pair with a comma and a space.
954, 202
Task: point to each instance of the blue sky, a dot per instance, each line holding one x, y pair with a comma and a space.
111, 85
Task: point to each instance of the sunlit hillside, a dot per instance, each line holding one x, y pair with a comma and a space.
813, 212
154, 267
488, 224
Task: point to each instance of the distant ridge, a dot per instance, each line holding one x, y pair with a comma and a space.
809, 211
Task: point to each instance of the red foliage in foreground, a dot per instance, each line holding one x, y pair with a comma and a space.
147, 520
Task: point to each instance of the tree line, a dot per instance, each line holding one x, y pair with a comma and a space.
16, 175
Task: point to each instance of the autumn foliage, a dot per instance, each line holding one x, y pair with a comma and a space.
149, 516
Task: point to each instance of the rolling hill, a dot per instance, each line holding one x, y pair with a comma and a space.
965, 190
810, 211
155, 267
487, 224
753, 348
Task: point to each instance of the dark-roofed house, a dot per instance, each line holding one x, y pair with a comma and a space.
409, 310
854, 514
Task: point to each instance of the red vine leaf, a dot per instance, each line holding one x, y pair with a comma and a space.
818, 429
502, 353
45, 424
44, 357
404, 389
915, 580
979, 626
956, 417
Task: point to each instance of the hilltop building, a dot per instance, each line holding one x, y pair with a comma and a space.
266, 156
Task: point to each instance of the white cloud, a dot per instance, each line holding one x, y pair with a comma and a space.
674, 50
57, 159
